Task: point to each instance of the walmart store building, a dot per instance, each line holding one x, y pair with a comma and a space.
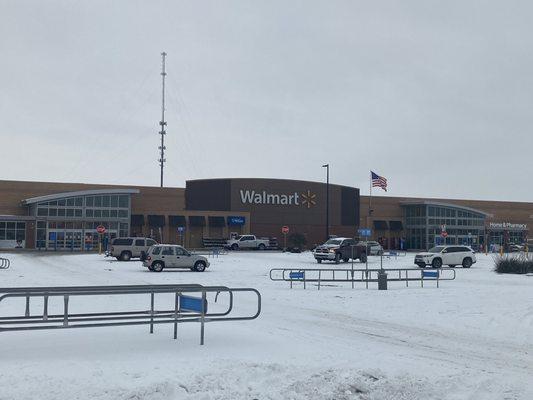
64, 216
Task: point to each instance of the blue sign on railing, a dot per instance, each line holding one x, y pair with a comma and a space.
181, 228
188, 303
234, 220
365, 232
430, 274
296, 275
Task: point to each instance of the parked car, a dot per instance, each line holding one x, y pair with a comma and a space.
338, 249
373, 248
126, 248
163, 256
446, 255
513, 248
247, 242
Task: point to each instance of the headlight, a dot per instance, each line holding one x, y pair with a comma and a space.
332, 250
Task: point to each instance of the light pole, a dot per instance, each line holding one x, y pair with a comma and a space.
327, 199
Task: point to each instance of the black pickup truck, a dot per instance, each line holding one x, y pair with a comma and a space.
337, 249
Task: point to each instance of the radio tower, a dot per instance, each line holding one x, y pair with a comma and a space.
162, 148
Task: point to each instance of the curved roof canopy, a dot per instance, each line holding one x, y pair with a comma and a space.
440, 204
57, 196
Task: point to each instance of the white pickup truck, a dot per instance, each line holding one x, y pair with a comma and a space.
247, 242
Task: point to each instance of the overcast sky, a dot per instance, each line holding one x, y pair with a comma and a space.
436, 96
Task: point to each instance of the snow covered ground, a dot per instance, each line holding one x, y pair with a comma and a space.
470, 339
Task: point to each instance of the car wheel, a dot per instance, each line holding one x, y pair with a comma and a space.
158, 266
362, 258
380, 252
261, 246
437, 263
337, 258
467, 262
319, 261
234, 246
345, 259
125, 256
199, 266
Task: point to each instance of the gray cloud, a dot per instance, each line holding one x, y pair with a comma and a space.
433, 95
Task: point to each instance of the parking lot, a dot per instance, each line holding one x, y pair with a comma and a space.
470, 338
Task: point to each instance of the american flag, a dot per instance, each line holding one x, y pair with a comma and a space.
378, 181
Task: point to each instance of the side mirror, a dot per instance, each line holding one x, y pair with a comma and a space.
444, 251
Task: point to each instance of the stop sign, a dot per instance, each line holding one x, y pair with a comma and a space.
100, 229
284, 230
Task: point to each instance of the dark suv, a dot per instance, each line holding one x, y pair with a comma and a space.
337, 249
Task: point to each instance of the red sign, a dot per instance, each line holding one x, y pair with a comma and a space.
284, 230
100, 229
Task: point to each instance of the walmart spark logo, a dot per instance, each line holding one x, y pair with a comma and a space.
308, 199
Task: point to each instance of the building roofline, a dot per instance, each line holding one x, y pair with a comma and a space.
441, 204
268, 179
57, 196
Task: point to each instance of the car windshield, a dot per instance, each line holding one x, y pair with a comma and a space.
436, 249
334, 241
238, 237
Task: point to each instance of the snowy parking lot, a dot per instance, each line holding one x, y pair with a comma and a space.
472, 338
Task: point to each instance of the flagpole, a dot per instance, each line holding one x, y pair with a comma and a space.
369, 203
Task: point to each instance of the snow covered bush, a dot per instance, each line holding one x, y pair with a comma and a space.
514, 264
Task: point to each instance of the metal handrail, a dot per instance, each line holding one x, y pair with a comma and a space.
150, 316
4, 263
321, 275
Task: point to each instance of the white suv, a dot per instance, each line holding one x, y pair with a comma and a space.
446, 255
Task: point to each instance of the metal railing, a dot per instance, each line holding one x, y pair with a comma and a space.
184, 308
359, 275
4, 263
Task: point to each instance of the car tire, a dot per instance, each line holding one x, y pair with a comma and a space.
436, 263
467, 262
157, 266
337, 258
345, 259
363, 258
319, 261
380, 252
125, 256
234, 247
199, 266
261, 247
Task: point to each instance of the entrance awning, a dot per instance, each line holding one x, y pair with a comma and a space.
381, 225
216, 221
137, 220
177, 220
156, 220
396, 226
196, 220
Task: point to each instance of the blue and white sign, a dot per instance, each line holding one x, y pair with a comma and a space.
234, 220
181, 229
365, 232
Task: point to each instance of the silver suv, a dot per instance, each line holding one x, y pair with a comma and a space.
126, 248
173, 256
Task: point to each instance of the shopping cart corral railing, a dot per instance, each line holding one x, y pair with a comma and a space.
321, 276
184, 303
210, 251
4, 263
